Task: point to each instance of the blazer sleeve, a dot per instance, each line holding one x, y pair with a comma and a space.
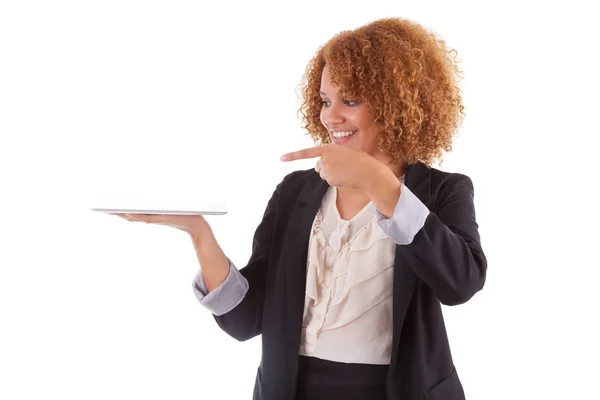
244, 321
446, 253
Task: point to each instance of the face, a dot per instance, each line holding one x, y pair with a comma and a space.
349, 121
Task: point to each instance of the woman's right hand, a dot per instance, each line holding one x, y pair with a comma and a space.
192, 224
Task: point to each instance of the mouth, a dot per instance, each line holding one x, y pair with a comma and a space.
341, 137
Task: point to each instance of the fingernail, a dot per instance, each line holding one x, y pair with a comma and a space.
284, 158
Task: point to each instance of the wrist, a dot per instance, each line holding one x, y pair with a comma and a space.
378, 175
199, 232
384, 191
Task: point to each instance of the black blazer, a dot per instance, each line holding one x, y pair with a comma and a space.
443, 265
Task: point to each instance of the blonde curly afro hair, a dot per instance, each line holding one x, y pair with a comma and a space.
405, 73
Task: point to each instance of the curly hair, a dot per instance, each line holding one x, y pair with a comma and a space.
405, 73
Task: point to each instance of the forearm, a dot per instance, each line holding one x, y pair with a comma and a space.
384, 188
225, 297
453, 266
213, 262
442, 246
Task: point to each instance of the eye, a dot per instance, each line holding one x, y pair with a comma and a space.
349, 103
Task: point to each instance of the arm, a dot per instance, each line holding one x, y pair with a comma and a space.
224, 297
444, 249
244, 321
212, 260
407, 219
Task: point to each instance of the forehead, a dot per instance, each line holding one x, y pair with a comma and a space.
326, 85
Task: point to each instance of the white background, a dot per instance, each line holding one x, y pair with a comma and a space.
185, 99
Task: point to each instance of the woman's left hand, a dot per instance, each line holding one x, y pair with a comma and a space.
339, 165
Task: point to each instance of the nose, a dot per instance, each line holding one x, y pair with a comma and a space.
332, 115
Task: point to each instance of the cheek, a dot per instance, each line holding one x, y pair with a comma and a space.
369, 137
322, 119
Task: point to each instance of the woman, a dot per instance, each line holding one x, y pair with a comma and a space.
353, 259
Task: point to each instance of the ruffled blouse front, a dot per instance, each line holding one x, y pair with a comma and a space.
348, 302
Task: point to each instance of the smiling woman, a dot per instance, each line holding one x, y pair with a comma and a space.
351, 264
344, 118
353, 259
402, 73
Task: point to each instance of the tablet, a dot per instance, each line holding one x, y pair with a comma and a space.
176, 207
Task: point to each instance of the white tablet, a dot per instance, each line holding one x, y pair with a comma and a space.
179, 207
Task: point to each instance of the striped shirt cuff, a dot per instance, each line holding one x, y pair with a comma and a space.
408, 219
224, 297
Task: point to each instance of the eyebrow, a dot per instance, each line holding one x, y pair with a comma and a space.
325, 94
339, 94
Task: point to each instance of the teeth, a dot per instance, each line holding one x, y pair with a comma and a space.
342, 134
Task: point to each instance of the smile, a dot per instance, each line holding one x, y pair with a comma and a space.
342, 134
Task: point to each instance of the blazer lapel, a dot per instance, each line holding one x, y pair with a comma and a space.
295, 251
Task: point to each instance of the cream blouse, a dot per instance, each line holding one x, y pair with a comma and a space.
348, 301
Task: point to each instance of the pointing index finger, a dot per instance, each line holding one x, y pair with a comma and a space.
311, 152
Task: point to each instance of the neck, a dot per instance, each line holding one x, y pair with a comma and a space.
397, 168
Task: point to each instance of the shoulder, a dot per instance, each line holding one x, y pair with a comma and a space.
429, 181
297, 180
444, 180
448, 187
303, 185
